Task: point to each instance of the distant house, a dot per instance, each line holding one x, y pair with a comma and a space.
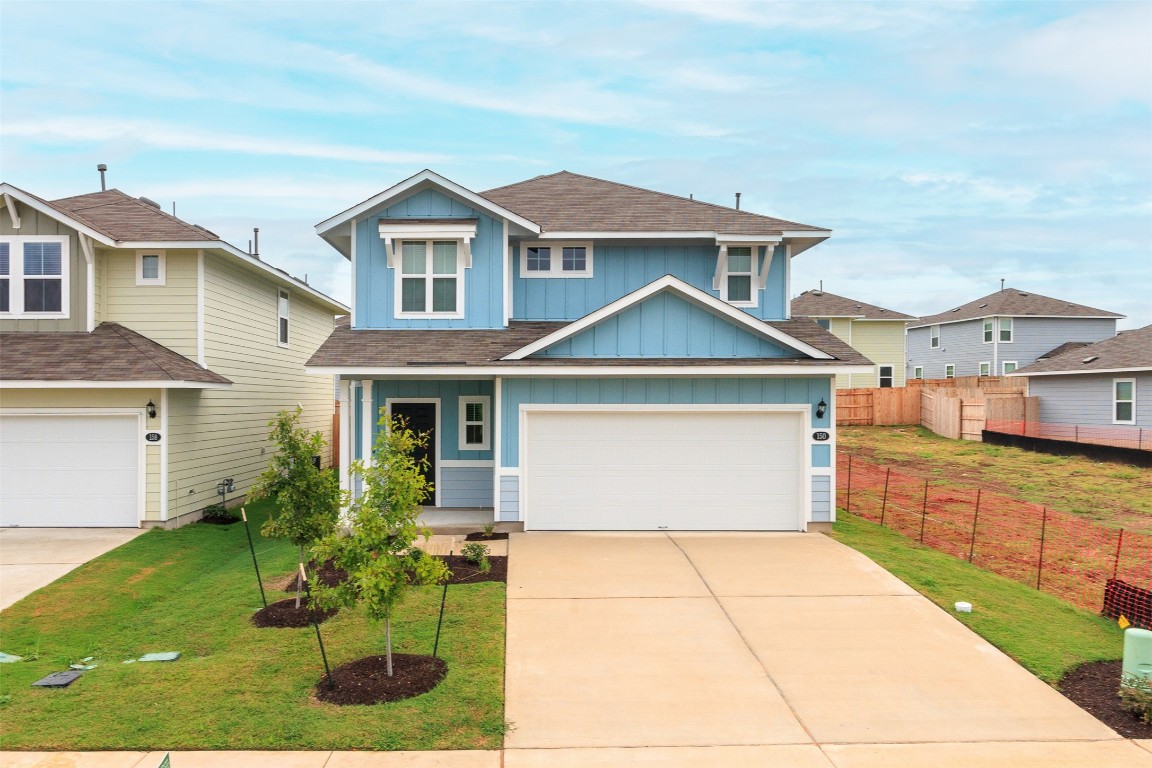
1108, 383
141, 358
588, 355
999, 333
873, 331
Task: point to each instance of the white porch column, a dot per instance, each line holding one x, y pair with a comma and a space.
367, 420
345, 432
497, 438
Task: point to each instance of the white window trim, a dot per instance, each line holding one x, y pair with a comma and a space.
946, 367
1116, 401
16, 275
281, 293
161, 270
556, 267
486, 401
398, 281
934, 337
918, 372
1004, 367
990, 329
880, 374
720, 280
985, 368
1011, 330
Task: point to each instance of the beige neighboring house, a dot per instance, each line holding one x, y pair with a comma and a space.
141, 359
873, 331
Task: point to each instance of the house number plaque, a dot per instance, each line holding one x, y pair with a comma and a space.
153, 437
819, 436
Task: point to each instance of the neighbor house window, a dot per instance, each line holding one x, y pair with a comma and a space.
556, 260
430, 281
886, 375
738, 280
934, 336
985, 369
918, 372
1008, 366
282, 318
150, 267
989, 330
474, 423
1005, 329
1123, 401
824, 323
34, 276
950, 371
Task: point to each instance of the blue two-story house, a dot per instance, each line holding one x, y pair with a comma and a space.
589, 355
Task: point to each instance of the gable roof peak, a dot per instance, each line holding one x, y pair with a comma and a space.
1013, 302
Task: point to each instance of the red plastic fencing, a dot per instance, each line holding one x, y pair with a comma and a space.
1057, 552
1117, 436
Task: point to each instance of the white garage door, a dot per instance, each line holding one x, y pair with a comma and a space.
646, 470
70, 471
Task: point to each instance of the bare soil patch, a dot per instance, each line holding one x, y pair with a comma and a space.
481, 536
366, 681
1093, 687
464, 572
284, 613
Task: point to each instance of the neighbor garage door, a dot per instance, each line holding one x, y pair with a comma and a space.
679, 470
76, 470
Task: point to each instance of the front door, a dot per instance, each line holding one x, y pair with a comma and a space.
421, 419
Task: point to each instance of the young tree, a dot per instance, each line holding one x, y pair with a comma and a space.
376, 550
307, 498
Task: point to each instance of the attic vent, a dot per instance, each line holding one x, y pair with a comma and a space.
1090, 359
982, 306
1024, 295
957, 309
152, 203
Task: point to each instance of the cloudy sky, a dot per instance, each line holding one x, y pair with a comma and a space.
948, 145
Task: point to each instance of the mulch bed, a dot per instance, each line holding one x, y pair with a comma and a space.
464, 572
481, 536
328, 575
1093, 687
366, 681
284, 613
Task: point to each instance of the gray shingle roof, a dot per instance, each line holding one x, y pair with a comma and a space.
129, 219
823, 304
569, 202
347, 348
1014, 303
110, 353
1127, 350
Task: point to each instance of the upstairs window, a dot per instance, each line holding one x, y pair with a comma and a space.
556, 260
34, 276
431, 279
989, 330
738, 285
1005, 329
934, 337
282, 318
474, 423
150, 267
824, 323
1124, 401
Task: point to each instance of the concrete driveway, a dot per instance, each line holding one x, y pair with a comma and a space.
31, 558
761, 649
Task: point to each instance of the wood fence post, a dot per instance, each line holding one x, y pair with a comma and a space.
975, 518
1043, 532
923, 511
884, 503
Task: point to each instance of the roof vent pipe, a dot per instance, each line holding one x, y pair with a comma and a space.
255, 242
737, 201
1001, 283
102, 168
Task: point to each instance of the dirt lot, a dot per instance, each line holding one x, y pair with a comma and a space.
1113, 494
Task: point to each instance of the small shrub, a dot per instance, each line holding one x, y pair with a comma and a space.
477, 554
489, 529
218, 513
1136, 696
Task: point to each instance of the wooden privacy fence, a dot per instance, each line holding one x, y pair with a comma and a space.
877, 406
961, 414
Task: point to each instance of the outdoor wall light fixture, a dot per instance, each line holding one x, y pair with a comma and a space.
821, 408
151, 408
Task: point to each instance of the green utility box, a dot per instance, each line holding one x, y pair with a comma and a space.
1138, 652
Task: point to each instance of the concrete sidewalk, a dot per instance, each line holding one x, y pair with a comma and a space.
31, 558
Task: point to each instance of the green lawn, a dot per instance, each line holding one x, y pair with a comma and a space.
236, 686
1044, 634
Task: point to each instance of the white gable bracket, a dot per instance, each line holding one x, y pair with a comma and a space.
11, 204
86, 247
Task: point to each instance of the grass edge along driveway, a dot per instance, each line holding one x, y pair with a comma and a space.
235, 687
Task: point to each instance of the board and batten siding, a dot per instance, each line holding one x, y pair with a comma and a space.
1087, 398
164, 313
33, 222
618, 270
963, 343
221, 433
374, 281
